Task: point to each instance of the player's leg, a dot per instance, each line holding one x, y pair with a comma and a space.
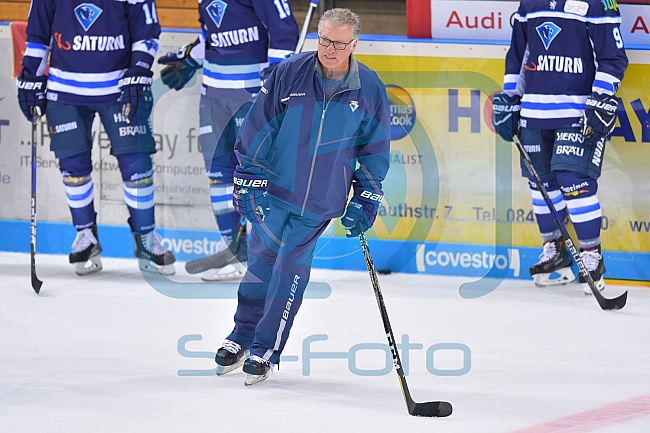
578, 167
133, 145
288, 282
264, 245
71, 142
220, 121
554, 265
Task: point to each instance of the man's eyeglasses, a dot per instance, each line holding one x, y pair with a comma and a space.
338, 45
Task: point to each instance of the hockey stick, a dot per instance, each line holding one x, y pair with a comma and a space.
605, 304
428, 409
36, 283
305, 26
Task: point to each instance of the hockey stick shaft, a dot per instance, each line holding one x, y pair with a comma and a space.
305, 25
605, 304
430, 409
36, 283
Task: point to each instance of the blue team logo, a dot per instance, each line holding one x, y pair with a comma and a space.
548, 31
87, 14
216, 10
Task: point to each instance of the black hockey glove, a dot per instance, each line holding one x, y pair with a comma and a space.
180, 68
505, 115
361, 211
136, 96
599, 119
249, 196
31, 94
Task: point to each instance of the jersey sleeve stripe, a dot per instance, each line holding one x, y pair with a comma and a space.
276, 56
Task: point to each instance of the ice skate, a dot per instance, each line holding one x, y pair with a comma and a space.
593, 260
152, 256
85, 252
257, 369
553, 260
230, 356
228, 263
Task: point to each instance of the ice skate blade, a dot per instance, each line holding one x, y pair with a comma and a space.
230, 272
91, 266
252, 379
225, 369
566, 276
149, 266
600, 285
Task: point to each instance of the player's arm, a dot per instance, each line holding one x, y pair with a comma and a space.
135, 84
609, 51
32, 82
277, 17
374, 160
506, 105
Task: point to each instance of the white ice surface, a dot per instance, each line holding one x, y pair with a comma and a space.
99, 354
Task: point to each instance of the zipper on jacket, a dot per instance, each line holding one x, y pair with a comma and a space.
318, 140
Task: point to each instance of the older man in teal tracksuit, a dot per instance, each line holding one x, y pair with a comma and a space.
320, 125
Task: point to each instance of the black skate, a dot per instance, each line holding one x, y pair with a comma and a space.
230, 356
228, 263
593, 260
257, 369
85, 252
553, 260
152, 256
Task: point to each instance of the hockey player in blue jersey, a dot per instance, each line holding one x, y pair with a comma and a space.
240, 43
564, 66
101, 55
319, 126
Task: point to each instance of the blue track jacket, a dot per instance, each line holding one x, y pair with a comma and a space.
310, 148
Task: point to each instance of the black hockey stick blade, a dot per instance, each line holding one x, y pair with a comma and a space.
430, 409
36, 283
605, 303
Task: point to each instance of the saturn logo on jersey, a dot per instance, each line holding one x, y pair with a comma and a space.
216, 10
87, 14
547, 32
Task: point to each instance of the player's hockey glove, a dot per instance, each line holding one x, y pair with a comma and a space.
180, 68
31, 94
505, 115
361, 211
136, 96
599, 119
249, 196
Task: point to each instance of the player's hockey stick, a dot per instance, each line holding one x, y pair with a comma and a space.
36, 283
305, 25
428, 409
605, 304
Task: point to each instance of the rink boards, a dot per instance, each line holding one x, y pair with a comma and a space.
452, 194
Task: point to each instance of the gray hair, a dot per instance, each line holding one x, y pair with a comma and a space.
340, 17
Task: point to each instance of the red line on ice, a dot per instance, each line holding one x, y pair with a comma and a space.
596, 419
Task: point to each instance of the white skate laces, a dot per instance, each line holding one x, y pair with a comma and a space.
153, 243
85, 239
548, 252
591, 259
231, 346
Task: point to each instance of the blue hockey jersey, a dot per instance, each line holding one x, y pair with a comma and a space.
242, 37
562, 51
92, 43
